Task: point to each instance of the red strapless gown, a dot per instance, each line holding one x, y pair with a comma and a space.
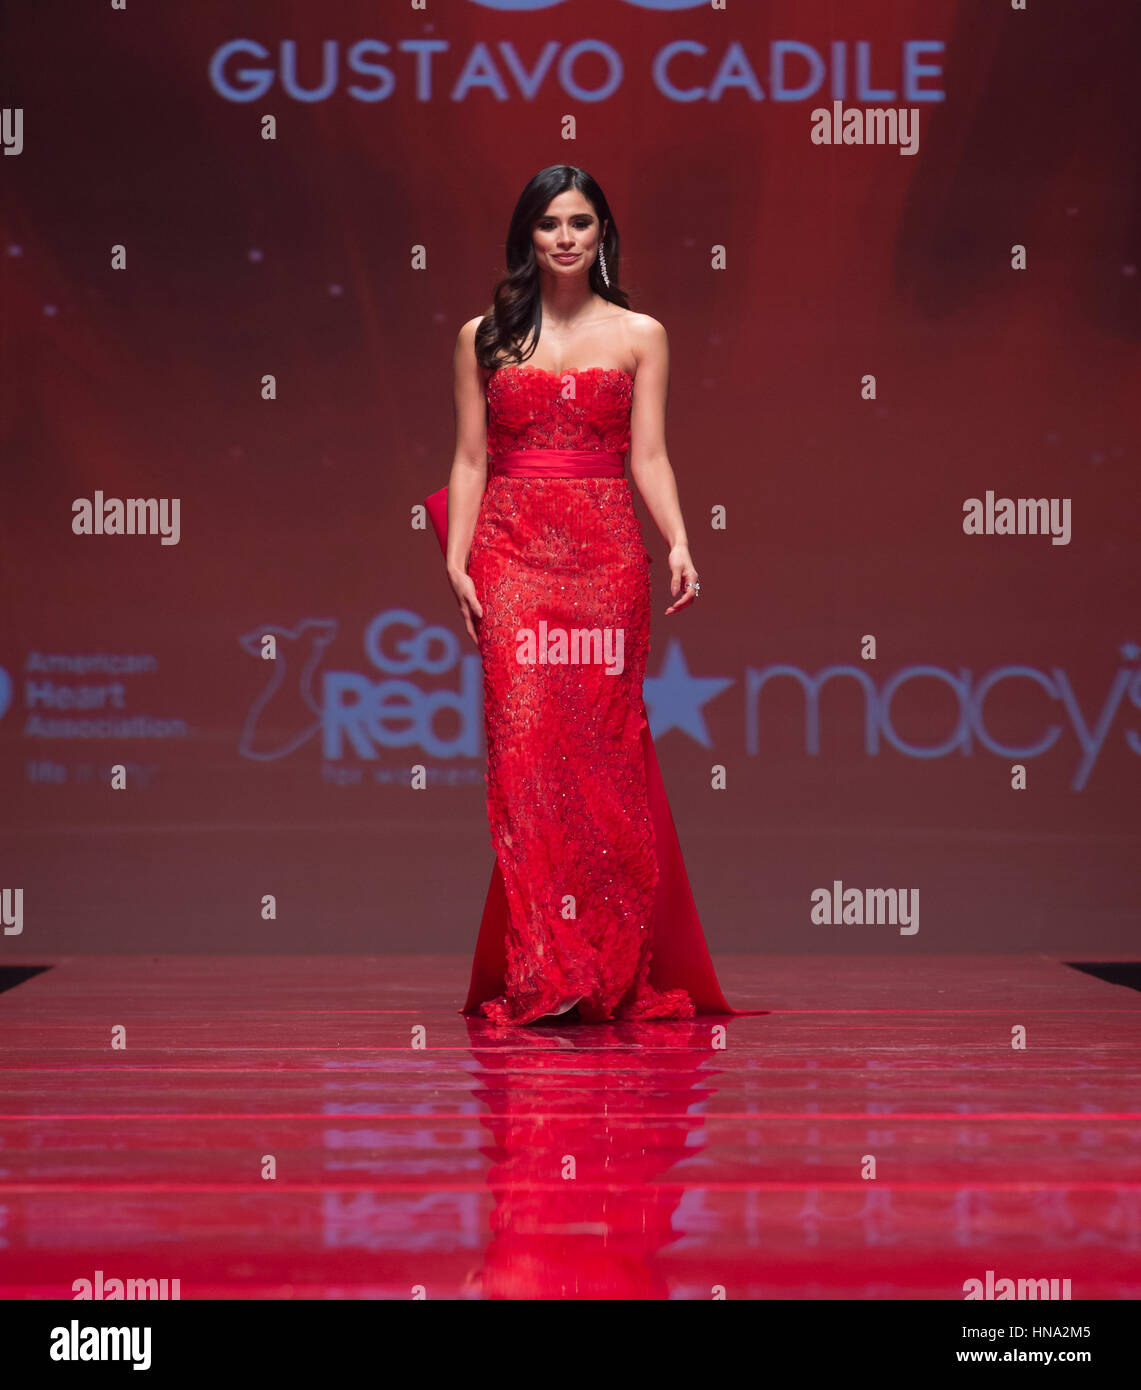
589, 898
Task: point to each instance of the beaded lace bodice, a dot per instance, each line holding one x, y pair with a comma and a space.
533, 408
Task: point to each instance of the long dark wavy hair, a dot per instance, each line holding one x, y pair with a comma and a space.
517, 311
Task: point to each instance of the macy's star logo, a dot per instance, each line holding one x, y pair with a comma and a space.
674, 697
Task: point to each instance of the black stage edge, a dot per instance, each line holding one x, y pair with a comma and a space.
1114, 972
13, 975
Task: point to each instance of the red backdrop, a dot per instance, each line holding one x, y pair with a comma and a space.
297, 257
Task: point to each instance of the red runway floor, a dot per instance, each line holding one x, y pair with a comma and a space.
565, 1159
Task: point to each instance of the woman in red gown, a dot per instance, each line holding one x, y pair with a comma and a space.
589, 912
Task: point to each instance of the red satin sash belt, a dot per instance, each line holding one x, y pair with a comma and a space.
558, 463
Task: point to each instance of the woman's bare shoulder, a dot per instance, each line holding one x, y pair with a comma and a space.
465, 354
645, 338
642, 327
467, 332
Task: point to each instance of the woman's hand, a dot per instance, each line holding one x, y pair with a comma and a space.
682, 573
464, 589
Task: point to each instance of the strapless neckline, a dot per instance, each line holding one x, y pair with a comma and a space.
571, 371
531, 407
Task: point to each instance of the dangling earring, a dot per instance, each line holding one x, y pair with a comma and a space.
602, 266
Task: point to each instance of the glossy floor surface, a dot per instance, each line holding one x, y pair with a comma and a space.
332, 1128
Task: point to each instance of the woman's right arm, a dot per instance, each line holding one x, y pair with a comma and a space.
468, 477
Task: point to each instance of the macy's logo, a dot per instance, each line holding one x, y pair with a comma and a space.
969, 694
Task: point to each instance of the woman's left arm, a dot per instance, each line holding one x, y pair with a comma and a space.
649, 461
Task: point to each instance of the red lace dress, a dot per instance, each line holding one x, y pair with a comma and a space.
568, 795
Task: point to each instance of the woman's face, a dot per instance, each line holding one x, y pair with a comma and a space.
567, 236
